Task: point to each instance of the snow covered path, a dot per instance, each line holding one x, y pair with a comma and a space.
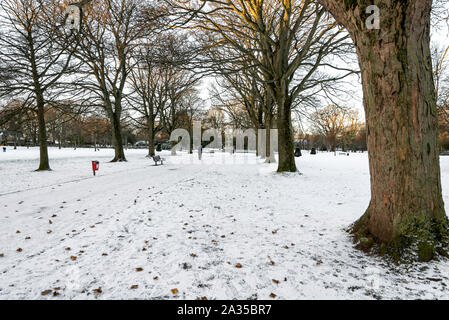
211, 230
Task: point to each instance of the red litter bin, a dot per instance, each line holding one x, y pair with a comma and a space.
95, 166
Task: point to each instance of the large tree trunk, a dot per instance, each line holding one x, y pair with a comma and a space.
42, 130
150, 137
191, 139
285, 137
400, 105
117, 138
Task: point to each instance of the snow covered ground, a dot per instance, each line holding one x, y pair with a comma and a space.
228, 227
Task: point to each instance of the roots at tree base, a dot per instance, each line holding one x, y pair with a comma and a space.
44, 169
416, 238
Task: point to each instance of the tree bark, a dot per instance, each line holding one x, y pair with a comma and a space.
42, 132
285, 137
150, 137
400, 105
191, 139
117, 139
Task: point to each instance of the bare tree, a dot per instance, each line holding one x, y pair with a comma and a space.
33, 58
111, 32
181, 85
292, 38
159, 83
406, 205
149, 84
330, 122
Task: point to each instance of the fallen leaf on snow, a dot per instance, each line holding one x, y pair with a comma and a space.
134, 286
19, 250
73, 258
272, 295
434, 279
139, 269
46, 292
98, 290
174, 291
238, 265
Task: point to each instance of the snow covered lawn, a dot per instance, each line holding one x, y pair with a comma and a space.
222, 229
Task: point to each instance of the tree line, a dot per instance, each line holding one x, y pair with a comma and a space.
123, 65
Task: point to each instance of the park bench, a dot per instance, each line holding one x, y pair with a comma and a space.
157, 159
